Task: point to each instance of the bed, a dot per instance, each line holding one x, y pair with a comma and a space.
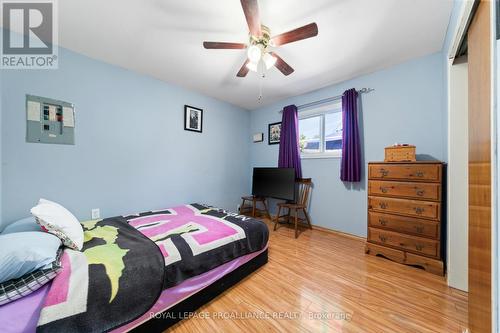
143, 271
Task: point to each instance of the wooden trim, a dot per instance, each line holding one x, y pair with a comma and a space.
339, 233
335, 232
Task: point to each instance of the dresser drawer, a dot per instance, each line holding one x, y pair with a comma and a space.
407, 225
405, 242
425, 191
415, 172
414, 208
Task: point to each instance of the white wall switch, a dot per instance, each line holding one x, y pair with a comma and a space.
96, 214
238, 208
258, 137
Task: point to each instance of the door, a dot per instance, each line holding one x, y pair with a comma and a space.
479, 58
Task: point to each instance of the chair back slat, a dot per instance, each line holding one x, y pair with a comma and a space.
304, 185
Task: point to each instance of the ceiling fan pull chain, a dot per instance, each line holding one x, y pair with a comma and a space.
261, 80
260, 90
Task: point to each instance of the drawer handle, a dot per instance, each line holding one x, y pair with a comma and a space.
383, 189
419, 229
383, 205
419, 210
383, 239
419, 174
420, 193
384, 172
419, 247
383, 222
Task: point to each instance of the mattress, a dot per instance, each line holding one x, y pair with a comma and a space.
155, 258
22, 315
188, 288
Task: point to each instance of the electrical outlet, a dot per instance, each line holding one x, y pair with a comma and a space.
96, 214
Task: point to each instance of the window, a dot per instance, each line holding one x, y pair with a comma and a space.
320, 131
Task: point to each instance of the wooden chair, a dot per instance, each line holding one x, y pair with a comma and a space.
254, 200
300, 204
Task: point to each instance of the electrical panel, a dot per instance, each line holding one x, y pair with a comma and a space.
49, 121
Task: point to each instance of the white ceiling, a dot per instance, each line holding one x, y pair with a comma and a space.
163, 39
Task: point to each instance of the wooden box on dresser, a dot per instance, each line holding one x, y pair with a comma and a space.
406, 213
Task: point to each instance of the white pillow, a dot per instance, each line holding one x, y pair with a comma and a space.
57, 220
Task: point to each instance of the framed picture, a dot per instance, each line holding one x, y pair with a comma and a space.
274, 133
193, 119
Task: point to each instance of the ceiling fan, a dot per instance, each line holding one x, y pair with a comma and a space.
260, 39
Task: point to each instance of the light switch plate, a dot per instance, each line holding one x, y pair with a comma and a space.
258, 137
96, 213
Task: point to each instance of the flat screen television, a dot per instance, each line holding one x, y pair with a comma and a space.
276, 183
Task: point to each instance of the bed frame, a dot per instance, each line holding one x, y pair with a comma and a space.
174, 314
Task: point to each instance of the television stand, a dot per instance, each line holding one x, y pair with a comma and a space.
253, 208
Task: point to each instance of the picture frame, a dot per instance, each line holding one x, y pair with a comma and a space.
193, 119
274, 133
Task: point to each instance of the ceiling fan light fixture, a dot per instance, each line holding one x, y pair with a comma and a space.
252, 66
269, 60
254, 53
259, 40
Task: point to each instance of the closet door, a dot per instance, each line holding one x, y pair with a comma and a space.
479, 56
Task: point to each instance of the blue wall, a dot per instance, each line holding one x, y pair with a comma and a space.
131, 153
406, 106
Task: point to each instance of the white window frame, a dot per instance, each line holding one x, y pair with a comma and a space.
321, 111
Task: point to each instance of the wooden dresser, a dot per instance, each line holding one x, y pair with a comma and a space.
405, 213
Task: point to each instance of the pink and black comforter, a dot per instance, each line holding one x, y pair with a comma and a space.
127, 261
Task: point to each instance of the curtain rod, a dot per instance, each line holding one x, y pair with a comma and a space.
330, 99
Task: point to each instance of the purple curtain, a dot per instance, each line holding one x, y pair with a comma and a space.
289, 156
350, 168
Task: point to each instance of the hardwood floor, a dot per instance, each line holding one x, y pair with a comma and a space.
324, 282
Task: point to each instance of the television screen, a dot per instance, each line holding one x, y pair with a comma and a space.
276, 183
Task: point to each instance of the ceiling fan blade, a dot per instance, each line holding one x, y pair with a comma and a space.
223, 45
251, 10
304, 32
243, 70
280, 64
